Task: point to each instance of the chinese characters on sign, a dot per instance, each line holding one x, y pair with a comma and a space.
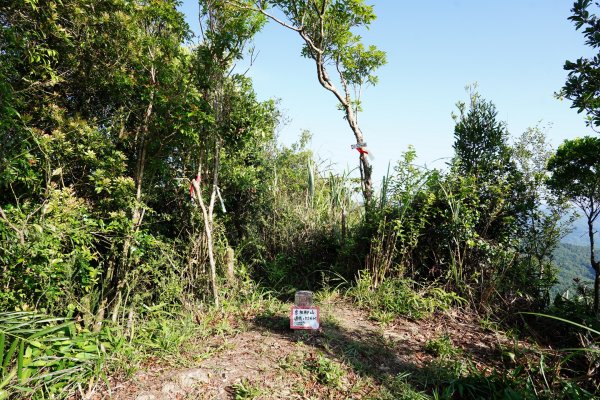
304, 318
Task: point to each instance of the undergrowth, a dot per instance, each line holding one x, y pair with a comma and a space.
245, 390
45, 357
324, 370
442, 347
42, 356
50, 357
400, 297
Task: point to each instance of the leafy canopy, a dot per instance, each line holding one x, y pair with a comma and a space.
583, 82
327, 27
575, 172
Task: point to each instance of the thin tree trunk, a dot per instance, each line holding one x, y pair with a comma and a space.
594, 263
18, 231
230, 263
597, 292
343, 224
138, 212
316, 51
115, 270
208, 214
366, 169
209, 240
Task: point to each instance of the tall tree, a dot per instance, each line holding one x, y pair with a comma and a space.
99, 106
482, 152
546, 215
480, 140
575, 170
583, 82
511, 232
325, 27
225, 33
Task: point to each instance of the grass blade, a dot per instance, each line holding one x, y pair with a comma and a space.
10, 353
2, 339
20, 361
50, 329
8, 378
565, 321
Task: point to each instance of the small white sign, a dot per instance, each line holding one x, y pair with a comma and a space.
304, 318
359, 145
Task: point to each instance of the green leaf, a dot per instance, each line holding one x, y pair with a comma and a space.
50, 329
45, 362
2, 340
37, 344
10, 353
8, 378
86, 356
20, 377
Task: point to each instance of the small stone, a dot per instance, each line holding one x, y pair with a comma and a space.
146, 396
192, 377
172, 390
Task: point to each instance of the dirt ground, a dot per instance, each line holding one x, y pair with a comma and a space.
351, 356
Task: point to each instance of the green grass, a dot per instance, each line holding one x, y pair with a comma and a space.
400, 297
441, 347
383, 317
399, 387
42, 356
325, 371
245, 390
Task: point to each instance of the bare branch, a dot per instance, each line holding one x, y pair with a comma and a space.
18, 231
343, 80
209, 240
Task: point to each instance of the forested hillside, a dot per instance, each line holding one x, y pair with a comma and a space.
573, 263
149, 217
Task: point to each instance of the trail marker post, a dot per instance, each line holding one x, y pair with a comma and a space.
303, 315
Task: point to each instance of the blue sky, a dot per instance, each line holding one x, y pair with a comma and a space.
513, 49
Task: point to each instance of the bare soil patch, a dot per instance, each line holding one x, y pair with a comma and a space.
350, 357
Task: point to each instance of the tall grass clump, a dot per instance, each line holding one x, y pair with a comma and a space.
42, 356
576, 332
401, 297
309, 220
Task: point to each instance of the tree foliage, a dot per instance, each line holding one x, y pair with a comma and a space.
583, 82
106, 118
327, 30
575, 170
486, 228
480, 140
